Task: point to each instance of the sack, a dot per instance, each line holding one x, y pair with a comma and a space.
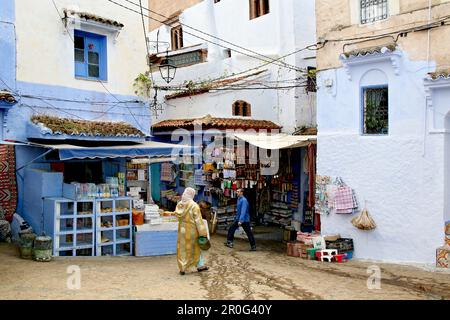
364, 221
204, 243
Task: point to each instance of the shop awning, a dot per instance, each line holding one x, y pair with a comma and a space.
276, 141
151, 149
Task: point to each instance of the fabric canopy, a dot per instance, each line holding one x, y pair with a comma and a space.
276, 141
147, 149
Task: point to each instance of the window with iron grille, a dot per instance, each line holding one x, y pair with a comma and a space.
373, 10
311, 80
187, 58
376, 110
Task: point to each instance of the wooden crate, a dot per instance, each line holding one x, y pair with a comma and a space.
303, 253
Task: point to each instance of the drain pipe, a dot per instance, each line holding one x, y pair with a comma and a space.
429, 35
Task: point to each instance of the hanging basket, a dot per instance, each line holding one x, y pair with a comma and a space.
364, 221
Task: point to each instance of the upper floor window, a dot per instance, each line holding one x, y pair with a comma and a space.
242, 108
90, 55
177, 37
258, 8
373, 10
375, 110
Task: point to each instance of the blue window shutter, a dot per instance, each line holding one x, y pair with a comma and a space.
95, 63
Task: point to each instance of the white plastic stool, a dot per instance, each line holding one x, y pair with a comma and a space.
327, 255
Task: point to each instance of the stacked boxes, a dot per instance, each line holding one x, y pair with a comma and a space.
443, 253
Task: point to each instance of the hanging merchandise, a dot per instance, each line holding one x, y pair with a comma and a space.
321, 197
364, 221
168, 172
345, 199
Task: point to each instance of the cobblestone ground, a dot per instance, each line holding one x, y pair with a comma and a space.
234, 274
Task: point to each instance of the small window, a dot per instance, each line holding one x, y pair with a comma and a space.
311, 80
258, 8
376, 110
90, 55
373, 10
177, 37
242, 108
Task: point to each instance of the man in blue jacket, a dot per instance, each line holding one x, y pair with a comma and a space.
242, 219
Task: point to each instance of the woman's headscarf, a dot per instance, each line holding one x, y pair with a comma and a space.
188, 195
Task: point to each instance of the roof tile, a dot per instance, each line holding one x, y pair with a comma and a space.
213, 122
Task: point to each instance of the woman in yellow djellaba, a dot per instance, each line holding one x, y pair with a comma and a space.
190, 228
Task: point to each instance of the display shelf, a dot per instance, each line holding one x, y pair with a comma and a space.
116, 232
69, 223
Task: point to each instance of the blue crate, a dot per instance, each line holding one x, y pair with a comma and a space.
349, 255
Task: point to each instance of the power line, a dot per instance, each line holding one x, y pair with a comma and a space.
214, 37
131, 113
212, 42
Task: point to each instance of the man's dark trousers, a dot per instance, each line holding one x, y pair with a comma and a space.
247, 229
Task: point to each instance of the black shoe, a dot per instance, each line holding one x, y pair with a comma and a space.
203, 269
229, 244
253, 248
182, 273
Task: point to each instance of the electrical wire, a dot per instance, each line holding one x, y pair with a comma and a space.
212, 36
99, 81
212, 42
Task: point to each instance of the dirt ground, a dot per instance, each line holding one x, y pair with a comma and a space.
234, 274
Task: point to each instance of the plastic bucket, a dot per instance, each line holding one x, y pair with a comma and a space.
138, 218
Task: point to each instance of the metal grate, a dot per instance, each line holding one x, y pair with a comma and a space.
373, 10
187, 58
376, 111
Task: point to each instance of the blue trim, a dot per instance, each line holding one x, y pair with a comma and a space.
81, 69
361, 108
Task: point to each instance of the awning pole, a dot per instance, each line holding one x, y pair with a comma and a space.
38, 157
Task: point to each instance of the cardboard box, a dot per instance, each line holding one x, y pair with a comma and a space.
332, 237
443, 257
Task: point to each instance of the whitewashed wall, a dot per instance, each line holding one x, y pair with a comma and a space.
401, 175
289, 26
46, 53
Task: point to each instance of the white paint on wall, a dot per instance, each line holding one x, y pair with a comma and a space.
289, 26
400, 175
51, 49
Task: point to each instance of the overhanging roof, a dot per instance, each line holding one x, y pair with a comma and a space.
150, 149
276, 141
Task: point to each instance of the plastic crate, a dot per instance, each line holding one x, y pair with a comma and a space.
342, 245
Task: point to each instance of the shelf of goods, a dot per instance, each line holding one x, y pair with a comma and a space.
225, 216
280, 213
70, 223
113, 226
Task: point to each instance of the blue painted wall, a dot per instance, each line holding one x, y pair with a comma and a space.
40, 183
20, 114
7, 45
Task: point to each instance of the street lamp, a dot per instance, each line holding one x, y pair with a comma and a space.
167, 68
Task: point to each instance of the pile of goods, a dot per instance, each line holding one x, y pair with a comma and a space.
313, 246
443, 253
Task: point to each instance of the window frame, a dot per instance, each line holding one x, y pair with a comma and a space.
258, 8
373, 20
176, 36
238, 109
102, 56
363, 108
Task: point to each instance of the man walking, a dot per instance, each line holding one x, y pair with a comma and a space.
242, 219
